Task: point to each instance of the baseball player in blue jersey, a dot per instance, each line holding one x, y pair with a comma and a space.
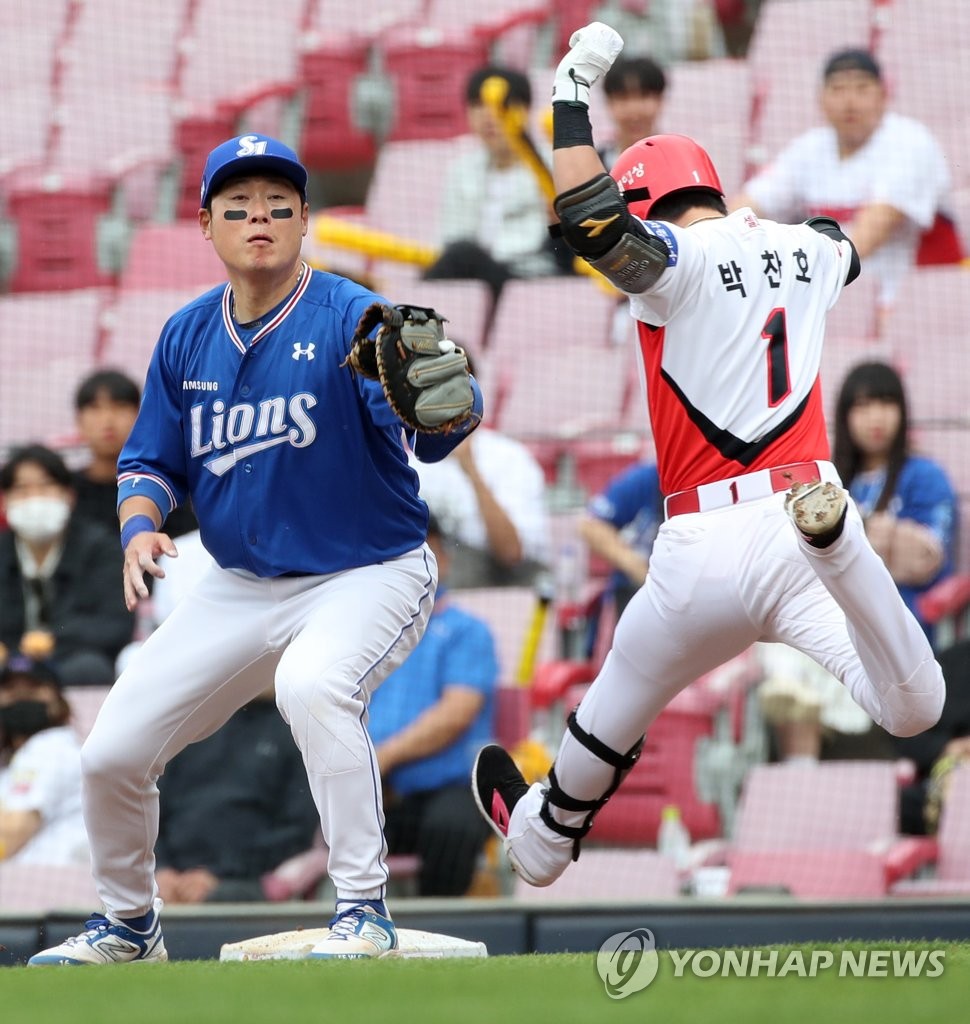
323, 582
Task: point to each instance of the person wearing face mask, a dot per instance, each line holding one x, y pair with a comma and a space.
40, 781
60, 588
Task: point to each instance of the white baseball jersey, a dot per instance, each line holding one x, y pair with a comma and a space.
732, 378
44, 775
902, 164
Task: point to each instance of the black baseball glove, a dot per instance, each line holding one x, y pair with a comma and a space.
424, 375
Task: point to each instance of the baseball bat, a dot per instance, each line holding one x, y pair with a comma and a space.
376, 244
513, 122
533, 636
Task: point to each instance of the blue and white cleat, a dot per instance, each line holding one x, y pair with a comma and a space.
357, 933
106, 940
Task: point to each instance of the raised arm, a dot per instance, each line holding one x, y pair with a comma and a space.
593, 217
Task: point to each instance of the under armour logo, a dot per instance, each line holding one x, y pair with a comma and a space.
308, 351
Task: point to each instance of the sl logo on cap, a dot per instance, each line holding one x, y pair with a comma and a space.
251, 145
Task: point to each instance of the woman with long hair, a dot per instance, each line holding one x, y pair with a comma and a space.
907, 500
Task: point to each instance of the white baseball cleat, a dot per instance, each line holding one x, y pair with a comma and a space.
106, 940
817, 508
357, 933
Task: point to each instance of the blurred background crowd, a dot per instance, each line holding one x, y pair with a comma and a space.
425, 127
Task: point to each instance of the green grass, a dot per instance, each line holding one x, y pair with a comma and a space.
499, 990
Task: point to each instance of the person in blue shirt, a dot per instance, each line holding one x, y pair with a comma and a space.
907, 500
428, 721
620, 525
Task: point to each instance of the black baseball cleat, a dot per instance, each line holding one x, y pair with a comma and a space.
497, 785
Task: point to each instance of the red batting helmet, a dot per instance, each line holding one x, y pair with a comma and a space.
656, 166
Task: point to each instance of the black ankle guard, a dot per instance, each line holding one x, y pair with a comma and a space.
554, 795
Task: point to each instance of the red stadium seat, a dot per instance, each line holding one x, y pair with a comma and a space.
52, 339
171, 256
429, 71
817, 831
56, 221
132, 326
609, 874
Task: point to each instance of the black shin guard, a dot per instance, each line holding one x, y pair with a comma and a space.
556, 797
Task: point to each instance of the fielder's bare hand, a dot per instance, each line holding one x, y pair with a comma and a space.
140, 557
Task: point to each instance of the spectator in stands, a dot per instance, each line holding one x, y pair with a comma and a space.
61, 591
882, 176
489, 495
620, 526
910, 510
494, 217
249, 778
907, 501
106, 404
938, 749
634, 89
428, 721
40, 769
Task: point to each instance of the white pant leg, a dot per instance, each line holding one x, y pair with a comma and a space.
855, 624
210, 657
686, 620
360, 626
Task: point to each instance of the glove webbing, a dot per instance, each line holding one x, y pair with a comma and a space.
621, 763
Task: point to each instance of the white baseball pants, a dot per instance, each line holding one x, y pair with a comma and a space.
719, 581
328, 641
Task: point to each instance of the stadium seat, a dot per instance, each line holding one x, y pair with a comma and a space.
711, 101
27, 124
50, 342
332, 137
135, 60
818, 831
949, 851
429, 69
171, 256
56, 221
616, 875
510, 612
416, 170
45, 888
132, 326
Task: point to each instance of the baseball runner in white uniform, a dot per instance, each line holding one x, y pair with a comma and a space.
760, 541
322, 581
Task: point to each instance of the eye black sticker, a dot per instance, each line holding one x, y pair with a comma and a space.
235, 215
283, 213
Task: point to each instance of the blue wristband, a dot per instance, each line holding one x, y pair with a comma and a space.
135, 524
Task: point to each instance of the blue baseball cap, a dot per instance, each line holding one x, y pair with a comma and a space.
249, 155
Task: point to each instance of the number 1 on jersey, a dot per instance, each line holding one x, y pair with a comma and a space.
775, 331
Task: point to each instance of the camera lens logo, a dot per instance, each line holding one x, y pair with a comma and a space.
627, 962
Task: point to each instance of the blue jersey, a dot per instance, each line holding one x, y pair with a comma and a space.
925, 495
632, 503
457, 649
293, 463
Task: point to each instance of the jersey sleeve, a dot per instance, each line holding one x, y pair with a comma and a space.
634, 489
678, 283
929, 499
152, 461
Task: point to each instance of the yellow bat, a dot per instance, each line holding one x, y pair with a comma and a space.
513, 122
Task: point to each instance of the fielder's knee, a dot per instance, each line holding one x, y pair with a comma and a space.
924, 694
